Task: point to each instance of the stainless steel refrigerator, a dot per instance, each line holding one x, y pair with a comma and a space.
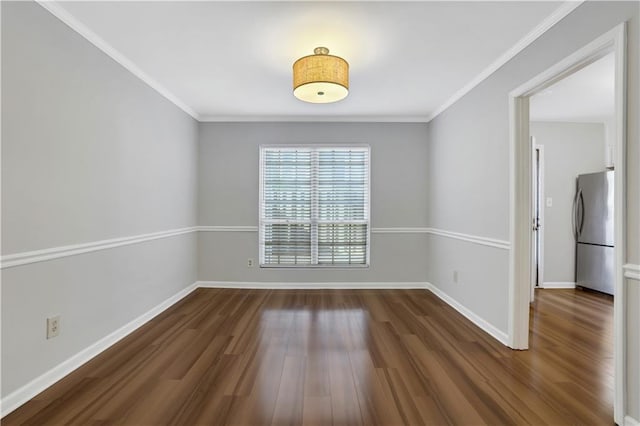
593, 230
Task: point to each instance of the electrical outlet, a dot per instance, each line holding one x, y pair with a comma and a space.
53, 327
455, 276
250, 263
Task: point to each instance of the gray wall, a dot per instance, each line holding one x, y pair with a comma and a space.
228, 195
570, 149
473, 136
89, 152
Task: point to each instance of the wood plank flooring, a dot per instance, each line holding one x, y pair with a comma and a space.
342, 357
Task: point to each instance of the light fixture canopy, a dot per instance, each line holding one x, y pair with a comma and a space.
320, 78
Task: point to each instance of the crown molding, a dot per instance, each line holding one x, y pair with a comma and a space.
562, 11
61, 13
315, 118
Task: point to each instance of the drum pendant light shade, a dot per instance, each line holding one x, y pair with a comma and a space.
320, 78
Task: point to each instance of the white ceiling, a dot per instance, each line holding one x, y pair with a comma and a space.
585, 96
232, 60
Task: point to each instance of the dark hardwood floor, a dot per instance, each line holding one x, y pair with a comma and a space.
342, 357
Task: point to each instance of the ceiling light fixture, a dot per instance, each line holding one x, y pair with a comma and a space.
320, 78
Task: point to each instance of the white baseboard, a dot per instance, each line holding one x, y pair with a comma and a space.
630, 421
497, 334
558, 284
313, 285
37, 385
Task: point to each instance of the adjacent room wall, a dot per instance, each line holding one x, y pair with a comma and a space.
89, 152
570, 149
468, 172
228, 196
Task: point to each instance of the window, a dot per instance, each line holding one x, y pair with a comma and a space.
314, 205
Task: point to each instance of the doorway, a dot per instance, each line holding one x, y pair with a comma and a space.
521, 200
570, 124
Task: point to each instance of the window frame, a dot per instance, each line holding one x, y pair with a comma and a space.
359, 146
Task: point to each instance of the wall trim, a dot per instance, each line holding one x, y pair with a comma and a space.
229, 228
401, 230
37, 385
278, 285
631, 271
61, 13
558, 284
484, 325
490, 242
249, 228
563, 10
34, 256
315, 118
630, 421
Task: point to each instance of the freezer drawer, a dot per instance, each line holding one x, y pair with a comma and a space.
594, 267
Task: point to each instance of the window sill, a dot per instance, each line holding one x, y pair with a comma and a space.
314, 266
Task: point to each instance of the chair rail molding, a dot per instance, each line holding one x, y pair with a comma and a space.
34, 256
27, 257
228, 228
631, 271
475, 239
400, 230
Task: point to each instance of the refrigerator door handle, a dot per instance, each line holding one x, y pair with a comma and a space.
581, 209
574, 214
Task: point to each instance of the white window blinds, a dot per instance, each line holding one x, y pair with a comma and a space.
314, 206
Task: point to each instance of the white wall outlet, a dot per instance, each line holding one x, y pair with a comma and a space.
549, 201
250, 263
53, 327
455, 276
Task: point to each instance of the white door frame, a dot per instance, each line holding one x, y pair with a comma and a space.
542, 201
520, 187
